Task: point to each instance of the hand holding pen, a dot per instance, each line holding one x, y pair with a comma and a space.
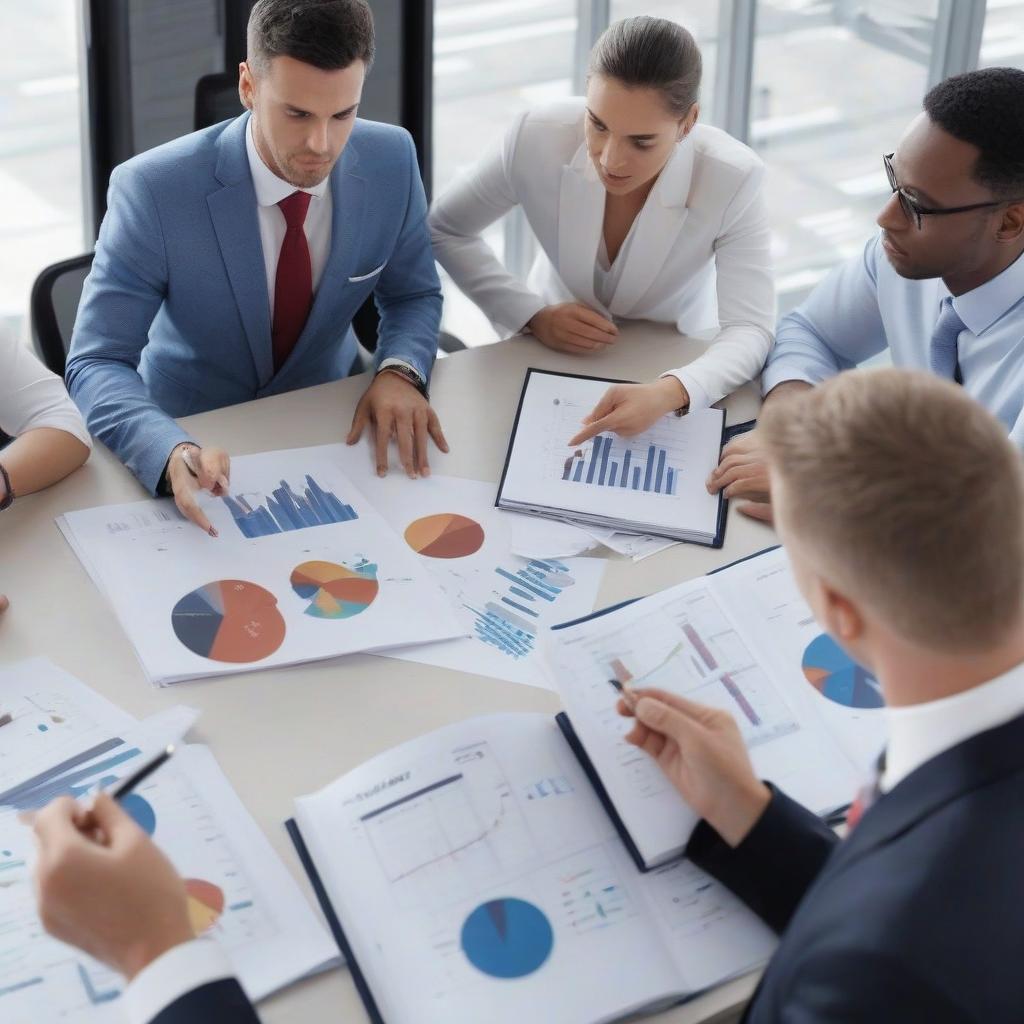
191, 469
104, 886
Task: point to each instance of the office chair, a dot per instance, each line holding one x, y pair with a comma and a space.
216, 99
53, 307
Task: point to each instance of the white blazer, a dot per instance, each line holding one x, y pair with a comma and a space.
697, 256
32, 397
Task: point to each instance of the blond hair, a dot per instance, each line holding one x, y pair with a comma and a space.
912, 497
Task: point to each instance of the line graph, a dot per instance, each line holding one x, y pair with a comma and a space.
444, 839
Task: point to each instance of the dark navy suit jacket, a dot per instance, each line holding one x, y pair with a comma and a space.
916, 918
219, 1002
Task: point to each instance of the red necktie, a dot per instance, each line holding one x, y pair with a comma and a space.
293, 288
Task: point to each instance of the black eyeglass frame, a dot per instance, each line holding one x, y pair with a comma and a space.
914, 211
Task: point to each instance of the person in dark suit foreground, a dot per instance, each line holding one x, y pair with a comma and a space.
105, 887
901, 504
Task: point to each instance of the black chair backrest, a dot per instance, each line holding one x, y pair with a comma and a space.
216, 99
54, 306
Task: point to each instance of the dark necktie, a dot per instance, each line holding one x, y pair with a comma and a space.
867, 796
943, 355
293, 287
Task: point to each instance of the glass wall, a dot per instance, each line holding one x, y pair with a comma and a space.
40, 157
833, 87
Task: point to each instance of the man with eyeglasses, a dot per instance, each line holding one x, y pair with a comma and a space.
941, 286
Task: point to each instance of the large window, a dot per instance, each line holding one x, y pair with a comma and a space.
833, 86
40, 156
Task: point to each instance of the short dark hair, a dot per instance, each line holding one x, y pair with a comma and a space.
986, 109
329, 34
651, 53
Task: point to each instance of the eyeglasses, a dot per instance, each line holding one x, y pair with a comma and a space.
915, 211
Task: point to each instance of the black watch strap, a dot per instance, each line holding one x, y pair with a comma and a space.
407, 374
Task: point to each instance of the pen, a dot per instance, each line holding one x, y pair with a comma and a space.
127, 785
628, 696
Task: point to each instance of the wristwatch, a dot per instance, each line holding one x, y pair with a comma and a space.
406, 373
8, 499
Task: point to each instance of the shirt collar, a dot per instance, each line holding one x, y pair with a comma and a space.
919, 732
981, 307
270, 189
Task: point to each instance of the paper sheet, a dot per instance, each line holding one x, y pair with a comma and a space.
240, 896
505, 602
304, 568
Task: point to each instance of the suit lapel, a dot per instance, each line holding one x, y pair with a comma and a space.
656, 230
348, 209
235, 221
580, 220
976, 762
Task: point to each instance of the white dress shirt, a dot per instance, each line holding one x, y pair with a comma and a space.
179, 971
864, 306
32, 397
697, 256
919, 732
270, 190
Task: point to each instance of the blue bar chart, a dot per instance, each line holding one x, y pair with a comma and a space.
510, 623
617, 463
284, 510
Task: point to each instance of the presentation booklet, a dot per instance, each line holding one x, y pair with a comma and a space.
653, 483
304, 568
742, 639
472, 875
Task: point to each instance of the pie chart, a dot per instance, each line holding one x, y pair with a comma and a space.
507, 938
205, 904
230, 620
831, 671
141, 810
447, 535
335, 591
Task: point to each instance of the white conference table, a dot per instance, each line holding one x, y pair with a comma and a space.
281, 733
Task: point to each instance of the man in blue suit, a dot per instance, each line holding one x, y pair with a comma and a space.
231, 262
901, 505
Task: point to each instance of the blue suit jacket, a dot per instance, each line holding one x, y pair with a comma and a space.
916, 918
175, 315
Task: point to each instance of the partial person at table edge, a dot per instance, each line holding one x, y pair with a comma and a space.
231, 261
46, 438
641, 213
901, 505
941, 286
140, 927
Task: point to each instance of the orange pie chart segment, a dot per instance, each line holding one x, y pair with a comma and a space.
335, 591
446, 535
205, 904
229, 620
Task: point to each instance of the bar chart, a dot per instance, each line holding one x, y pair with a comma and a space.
510, 624
617, 463
284, 510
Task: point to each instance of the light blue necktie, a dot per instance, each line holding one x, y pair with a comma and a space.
943, 357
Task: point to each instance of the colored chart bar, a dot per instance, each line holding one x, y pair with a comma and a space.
609, 465
285, 510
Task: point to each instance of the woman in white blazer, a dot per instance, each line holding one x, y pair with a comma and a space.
49, 437
640, 212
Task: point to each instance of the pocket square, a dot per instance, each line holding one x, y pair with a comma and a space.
366, 277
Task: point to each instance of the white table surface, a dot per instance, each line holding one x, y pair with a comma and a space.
281, 733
